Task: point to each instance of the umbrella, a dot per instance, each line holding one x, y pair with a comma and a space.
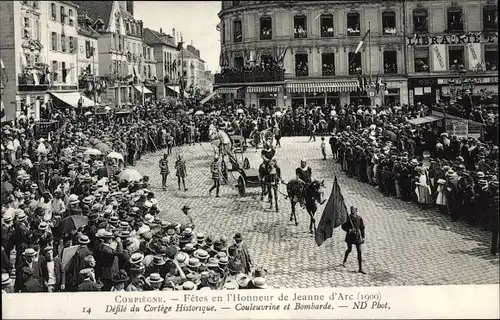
115, 155
130, 175
240, 111
72, 223
92, 152
104, 148
88, 113
278, 114
67, 254
199, 113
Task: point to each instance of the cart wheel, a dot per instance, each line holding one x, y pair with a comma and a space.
246, 164
241, 186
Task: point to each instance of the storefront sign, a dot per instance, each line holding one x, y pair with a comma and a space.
425, 40
439, 57
458, 81
475, 54
428, 82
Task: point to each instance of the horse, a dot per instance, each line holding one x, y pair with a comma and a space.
306, 194
270, 177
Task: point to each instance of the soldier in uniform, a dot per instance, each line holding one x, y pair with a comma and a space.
355, 234
164, 170
215, 171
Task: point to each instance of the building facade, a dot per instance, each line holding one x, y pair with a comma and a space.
314, 42
89, 82
38, 46
194, 70
449, 40
166, 57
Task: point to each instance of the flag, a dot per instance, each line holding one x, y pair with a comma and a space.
360, 44
282, 55
334, 215
179, 46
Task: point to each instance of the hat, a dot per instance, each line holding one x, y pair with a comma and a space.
480, 174
148, 219
114, 220
201, 254
187, 232
212, 263
158, 261
189, 247
230, 285
154, 278
73, 199
120, 277
200, 237
238, 237
235, 266
6, 279
259, 282
107, 234
441, 181
87, 272
83, 239
482, 182
170, 231
494, 184
182, 258
188, 285
193, 263
242, 280
185, 208
29, 252
124, 234
221, 254
43, 226
21, 216
223, 261
136, 258
193, 277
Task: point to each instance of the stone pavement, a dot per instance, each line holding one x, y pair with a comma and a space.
404, 245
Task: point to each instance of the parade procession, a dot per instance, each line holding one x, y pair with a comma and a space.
131, 163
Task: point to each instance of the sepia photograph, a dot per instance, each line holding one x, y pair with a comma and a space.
325, 151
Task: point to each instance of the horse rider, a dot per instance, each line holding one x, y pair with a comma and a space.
304, 172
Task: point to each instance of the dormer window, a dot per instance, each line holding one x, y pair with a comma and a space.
265, 28
300, 26
327, 25
455, 19
420, 20
353, 24
389, 22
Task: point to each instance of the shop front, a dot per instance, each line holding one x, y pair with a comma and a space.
321, 93
232, 95
423, 90
485, 88
265, 96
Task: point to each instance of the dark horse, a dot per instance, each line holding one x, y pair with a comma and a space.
307, 195
270, 177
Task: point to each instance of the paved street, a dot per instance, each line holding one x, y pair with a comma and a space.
404, 245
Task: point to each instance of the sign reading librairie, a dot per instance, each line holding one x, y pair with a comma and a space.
464, 38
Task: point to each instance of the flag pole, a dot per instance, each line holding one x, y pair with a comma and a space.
370, 52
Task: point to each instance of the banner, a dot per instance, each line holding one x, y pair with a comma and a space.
474, 54
438, 52
334, 215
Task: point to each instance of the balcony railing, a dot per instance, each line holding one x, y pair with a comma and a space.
246, 76
327, 34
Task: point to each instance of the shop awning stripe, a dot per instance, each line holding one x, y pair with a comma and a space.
228, 90
260, 89
334, 86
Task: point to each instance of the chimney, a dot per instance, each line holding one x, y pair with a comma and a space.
161, 32
173, 34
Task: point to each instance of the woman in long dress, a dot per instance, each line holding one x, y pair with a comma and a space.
441, 200
423, 189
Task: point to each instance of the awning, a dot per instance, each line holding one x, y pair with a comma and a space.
228, 90
254, 89
331, 86
141, 88
210, 96
423, 120
72, 98
177, 90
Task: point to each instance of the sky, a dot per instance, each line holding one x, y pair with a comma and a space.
197, 20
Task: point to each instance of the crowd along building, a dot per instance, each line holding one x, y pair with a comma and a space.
38, 50
295, 53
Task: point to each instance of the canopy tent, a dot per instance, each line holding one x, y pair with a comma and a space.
423, 120
72, 98
142, 89
177, 90
210, 96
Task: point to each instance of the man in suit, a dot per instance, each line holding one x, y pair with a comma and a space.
26, 260
77, 262
355, 234
107, 260
51, 271
88, 283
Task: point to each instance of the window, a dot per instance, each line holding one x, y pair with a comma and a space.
54, 41
53, 11
238, 36
72, 46
491, 58
328, 64
70, 15
420, 20
353, 24
389, 22
490, 18
63, 15
455, 19
64, 71
26, 29
326, 25
390, 62
63, 43
421, 61
456, 58
238, 62
355, 66
301, 65
300, 26
265, 29
266, 61
55, 70
119, 43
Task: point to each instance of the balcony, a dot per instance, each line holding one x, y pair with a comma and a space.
246, 76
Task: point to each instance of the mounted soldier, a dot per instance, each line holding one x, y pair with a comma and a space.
270, 174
